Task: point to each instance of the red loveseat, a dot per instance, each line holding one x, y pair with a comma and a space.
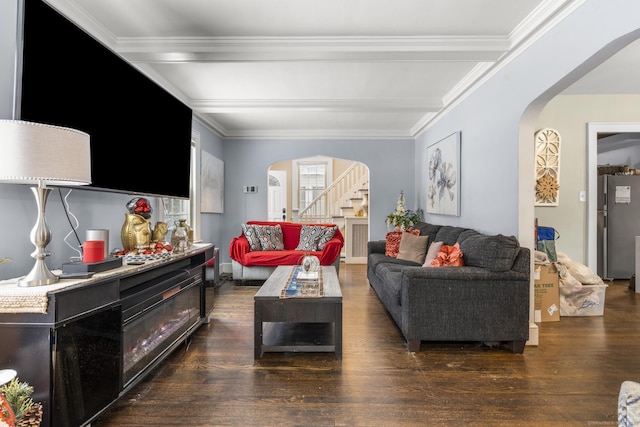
259, 264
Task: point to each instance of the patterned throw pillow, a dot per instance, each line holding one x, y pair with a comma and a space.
393, 242
270, 236
328, 234
250, 233
309, 237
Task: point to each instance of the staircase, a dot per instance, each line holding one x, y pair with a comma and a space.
346, 197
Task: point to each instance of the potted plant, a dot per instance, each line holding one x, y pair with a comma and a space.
17, 395
401, 218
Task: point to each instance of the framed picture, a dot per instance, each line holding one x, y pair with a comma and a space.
211, 184
443, 181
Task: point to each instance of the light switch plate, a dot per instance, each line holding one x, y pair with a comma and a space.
250, 189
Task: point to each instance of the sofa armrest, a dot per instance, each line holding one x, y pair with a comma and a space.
376, 246
331, 251
484, 301
238, 248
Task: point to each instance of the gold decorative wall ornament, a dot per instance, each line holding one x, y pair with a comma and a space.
547, 146
547, 189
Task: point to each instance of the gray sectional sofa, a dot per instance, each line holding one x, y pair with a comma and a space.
485, 301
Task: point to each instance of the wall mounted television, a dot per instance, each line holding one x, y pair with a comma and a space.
140, 133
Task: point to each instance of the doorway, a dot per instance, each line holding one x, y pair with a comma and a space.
277, 196
593, 132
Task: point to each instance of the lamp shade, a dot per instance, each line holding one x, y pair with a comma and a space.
34, 153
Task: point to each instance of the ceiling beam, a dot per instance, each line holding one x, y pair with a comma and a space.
226, 49
315, 105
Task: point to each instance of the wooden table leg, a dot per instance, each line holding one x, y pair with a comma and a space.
257, 331
338, 331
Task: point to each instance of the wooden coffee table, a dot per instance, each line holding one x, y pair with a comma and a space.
297, 312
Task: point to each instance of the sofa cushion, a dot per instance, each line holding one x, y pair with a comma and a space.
427, 229
275, 258
391, 275
393, 242
495, 253
448, 234
413, 247
327, 235
270, 237
309, 237
251, 234
448, 256
433, 250
315, 237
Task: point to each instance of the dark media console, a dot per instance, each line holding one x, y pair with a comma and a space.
100, 337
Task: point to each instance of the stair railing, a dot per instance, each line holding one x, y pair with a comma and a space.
337, 195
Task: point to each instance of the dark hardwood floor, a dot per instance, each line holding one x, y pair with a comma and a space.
572, 378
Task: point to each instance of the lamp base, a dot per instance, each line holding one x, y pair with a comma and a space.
40, 237
39, 276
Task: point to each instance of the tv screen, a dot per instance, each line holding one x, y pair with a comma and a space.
140, 133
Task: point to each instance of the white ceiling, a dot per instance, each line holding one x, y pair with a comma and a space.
325, 68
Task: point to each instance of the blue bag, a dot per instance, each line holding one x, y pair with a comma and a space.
546, 242
547, 233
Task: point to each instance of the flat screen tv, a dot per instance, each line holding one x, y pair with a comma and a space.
140, 133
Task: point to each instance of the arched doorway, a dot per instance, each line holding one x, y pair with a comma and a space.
322, 189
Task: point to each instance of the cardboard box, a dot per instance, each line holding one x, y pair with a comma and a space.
587, 300
547, 294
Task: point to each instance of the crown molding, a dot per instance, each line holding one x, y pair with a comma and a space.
541, 21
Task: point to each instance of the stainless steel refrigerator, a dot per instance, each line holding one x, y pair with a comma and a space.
618, 225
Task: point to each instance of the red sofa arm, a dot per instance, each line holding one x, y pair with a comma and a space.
238, 248
332, 249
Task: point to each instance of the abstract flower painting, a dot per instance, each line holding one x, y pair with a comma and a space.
443, 184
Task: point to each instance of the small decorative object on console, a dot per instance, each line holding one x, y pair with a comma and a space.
140, 206
135, 232
180, 236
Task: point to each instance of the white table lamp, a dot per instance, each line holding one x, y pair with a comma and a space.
34, 153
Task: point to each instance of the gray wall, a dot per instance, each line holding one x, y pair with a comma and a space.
211, 224
390, 162
498, 120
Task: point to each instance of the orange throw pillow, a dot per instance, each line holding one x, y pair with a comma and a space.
448, 256
392, 246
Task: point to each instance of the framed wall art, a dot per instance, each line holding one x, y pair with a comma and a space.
211, 184
443, 180
547, 167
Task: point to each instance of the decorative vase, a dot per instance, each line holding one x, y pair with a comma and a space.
180, 236
160, 232
136, 232
364, 205
310, 263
